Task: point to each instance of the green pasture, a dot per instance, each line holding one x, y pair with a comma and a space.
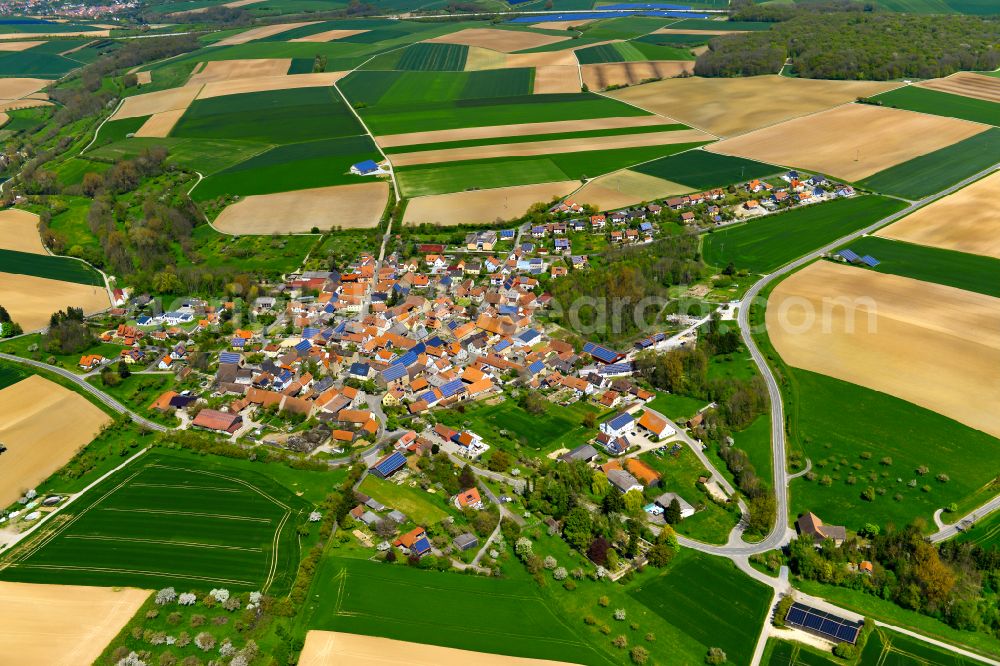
421, 180
46, 266
935, 171
206, 156
985, 533
710, 600
935, 102
181, 521
266, 254
11, 374
117, 130
766, 243
415, 503
890, 648
402, 118
510, 426
786, 653
700, 169
280, 116
495, 615
295, 166
971, 272
835, 423
676, 407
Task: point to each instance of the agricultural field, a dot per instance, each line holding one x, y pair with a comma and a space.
786, 653
937, 170
961, 270
730, 106
617, 74
19, 232
307, 211
630, 51
764, 244
31, 300
482, 206
48, 267
710, 601
213, 526
623, 188
924, 100
853, 141
985, 533
702, 170
43, 425
890, 648
967, 84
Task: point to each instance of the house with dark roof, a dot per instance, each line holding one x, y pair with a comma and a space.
810, 524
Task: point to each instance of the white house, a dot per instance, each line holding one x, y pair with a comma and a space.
618, 426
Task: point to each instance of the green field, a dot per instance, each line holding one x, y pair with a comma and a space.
10, 375
416, 504
834, 423
626, 27
207, 156
559, 427
914, 98
423, 57
466, 612
295, 166
676, 407
679, 41
889, 648
971, 272
984, 533
785, 653
700, 169
183, 521
765, 244
401, 118
935, 171
631, 52
280, 116
46, 266
371, 88
506, 171
710, 600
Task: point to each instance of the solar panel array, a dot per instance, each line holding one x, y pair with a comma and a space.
229, 357
602, 354
825, 624
869, 260
849, 255
389, 464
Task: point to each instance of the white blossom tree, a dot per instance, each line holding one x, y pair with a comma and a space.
550, 562
560, 573
315, 517
187, 599
227, 649
619, 613
220, 595
167, 595
131, 659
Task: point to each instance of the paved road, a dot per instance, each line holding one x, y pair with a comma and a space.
89, 388
948, 531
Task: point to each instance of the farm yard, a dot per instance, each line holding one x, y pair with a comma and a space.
172, 521
852, 141
764, 244
61, 609
38, 446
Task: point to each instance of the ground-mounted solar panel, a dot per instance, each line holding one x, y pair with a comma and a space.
849, 255
869, 260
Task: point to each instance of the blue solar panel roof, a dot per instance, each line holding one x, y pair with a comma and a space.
451, 388
303, 346
849, 255
360, 369
394, 372
229, 357
536, 367
869, 260
621, 421
826, 624
421, 545
390, 463
602, 354
406, 360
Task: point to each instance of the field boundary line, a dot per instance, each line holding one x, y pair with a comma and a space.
183, 487
187, 544
134, 572
195, 514
98, 130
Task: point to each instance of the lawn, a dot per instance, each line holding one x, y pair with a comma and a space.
418, 505
501, 616
169, 520
401, 118
935, 102
935, 171
676, 407
710, 600
267, 254
137, 392
278, 116
700, 169
765, 244
46, 266
836, 424
484, 174
509, 426
971, 272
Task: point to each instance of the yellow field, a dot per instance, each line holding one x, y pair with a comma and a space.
43, 425
326, 648
225, 70
263, 83
62, 625
556, 79
160, 124
19, 231
18, 46
505, 41
16, 88
726, 107
968, 85
260, 33
603, 75
328, 36
934, 346
852, 141
624, 188
483, 206
301, 210
31, 300
174, 99
966, 221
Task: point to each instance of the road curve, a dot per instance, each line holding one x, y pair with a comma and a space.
92, 390
948, 531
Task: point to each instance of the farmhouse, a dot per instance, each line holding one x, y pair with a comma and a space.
655, 425
388, 465
469, 499
211, 419
810, 524
623, 481
365, 168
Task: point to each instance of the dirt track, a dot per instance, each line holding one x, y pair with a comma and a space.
934, 346
43, 425
966, 221
19, 231
483, 206
31, 300
726, 107
356, 206
852, 141
600, 76
62, 625
559, 146
968, 85
505, 41
327, 648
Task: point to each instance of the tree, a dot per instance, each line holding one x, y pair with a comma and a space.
500, 461
533, 403
672, 514
633, 501
782, 610
844, 650
92, 182
166, 596
715, 656
620, 642
598, 551
123, 370
467, 478
612, 502
589, 419
205, 641
660, 555
639, 655
578, 528
599, 485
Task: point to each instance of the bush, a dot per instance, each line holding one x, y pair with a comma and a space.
844, 650
205, 641
782, 610
620, 642
604, 601
620, 614
715, 656
639, 655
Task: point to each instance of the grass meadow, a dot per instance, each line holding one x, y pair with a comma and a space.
785, 653
700, 169
890, 647
630, 52
985, 533
971, 272
935, 171
170, 521
939, 103
46, 266
764, 244
415, 503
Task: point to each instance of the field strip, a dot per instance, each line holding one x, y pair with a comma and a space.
134, 572
229, 478
166, 542
194, 514
275, 542
184, 487
521, 597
